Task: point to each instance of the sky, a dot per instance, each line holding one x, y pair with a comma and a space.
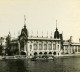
41, 16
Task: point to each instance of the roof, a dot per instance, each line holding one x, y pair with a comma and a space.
43, 38
38, 38
67, 43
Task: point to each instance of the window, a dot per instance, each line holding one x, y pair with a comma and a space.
54, 53
40, 53
58, 47
45, 46
35, 46
66, 47
30, 46
54, 47
75, 48
78, 48
45, 53
50, 52
50, 47
35, 53
40, 47
72, 49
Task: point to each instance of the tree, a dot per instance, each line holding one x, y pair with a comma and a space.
1, 49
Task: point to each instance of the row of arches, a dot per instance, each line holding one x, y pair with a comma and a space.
45, 53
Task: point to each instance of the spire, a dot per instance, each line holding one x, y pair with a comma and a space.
51, 34
56, 25
9, 33
32, 34
42, 33
70, 38
56, 33
37, 33
24, 20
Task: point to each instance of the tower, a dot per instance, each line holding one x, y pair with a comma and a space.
56, 33
23, 39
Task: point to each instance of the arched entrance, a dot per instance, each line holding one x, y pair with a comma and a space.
54, 53
40, 54
45, 53
35, 53
50, 53
23, 53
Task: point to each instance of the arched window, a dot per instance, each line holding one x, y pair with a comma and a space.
54, 47
54, 53
78, 48
40, 53
35, 46
45, 46
45, 53
50, 52
30, 46
35, 53
23, 53
40, 47
50, 47
75, 48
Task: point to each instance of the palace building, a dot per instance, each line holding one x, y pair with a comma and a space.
40, 46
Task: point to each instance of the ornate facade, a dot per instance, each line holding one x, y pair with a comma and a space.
40, 46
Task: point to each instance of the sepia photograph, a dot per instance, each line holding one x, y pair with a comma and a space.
39, 36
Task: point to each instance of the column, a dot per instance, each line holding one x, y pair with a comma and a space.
71, 50
59, 47
19, 47
74, 49
43, 45
38, 48
32, 49
77, 48
52, 46
64, 48
47, 49
24, 46
43, 48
